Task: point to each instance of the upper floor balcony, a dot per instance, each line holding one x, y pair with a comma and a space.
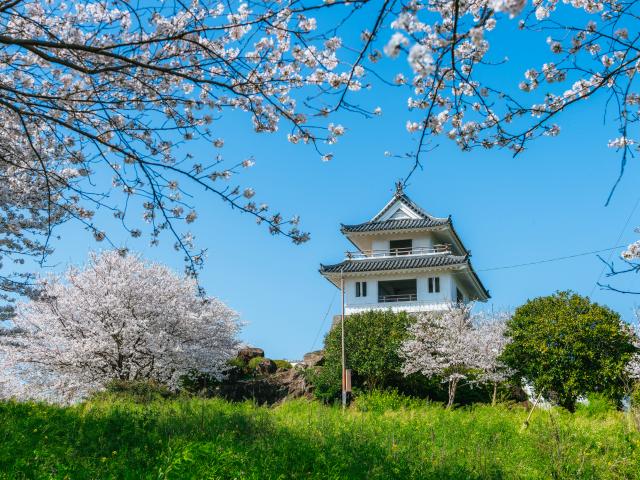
440, 249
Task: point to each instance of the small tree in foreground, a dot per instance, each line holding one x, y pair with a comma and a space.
455, 345
441, 345
372, 341
120, 318
490, 341
568, 346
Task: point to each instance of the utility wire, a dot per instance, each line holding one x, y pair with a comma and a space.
324, 320
624, 228
537, 262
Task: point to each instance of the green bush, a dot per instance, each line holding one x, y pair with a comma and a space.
597, 405
283, 365
568, 346
237, 362
198, 383
372, 340
252, 366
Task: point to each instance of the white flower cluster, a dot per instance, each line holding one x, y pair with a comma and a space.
633, 367
453, 343
445, 45
119, 318
633, 250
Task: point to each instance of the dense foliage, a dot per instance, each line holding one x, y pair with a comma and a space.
386, 439
373, 344
567, 346
372, 340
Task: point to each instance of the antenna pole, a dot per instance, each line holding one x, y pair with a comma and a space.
344, 364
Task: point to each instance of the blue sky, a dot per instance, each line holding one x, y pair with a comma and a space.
546, 203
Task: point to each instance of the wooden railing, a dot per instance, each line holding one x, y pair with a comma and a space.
395, 252
405, 297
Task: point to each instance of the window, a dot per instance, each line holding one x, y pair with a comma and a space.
400, 247
358, 293
397, 291
434, 284
361, 289
364, 289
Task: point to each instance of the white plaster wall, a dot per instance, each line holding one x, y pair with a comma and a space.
380, 244
350, 291
424, 241
446, 294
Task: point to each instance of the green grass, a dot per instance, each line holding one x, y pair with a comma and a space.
214, 439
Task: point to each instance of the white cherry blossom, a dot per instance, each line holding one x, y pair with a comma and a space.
117, 318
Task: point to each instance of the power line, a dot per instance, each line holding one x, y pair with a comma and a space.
324, 320
537, 262
626, 224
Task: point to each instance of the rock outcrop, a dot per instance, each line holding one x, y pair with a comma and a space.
266, 366
253, 377
313, 359
269, 389
294, 381
247, 353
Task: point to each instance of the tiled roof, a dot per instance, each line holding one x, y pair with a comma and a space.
403, 224
395, 263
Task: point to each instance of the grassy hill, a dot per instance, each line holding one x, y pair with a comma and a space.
214, 439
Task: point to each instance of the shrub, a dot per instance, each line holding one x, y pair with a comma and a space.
372, 340
283, 365
261, 366
237, 362
568, 346
253, 363
597, 405
199, 383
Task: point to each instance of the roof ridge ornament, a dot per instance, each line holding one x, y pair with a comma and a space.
399, 188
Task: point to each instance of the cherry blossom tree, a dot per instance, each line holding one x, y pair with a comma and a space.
457, 345
118, 318
101, 100
490, 340
442, 344
593, 46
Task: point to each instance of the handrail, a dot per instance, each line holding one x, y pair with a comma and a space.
394, 252
405, 297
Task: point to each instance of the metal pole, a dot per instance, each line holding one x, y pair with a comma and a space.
344, 363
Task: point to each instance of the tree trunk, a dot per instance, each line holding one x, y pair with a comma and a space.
568, 403
452, 392
495, 394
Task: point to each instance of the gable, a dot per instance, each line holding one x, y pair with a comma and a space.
397, 211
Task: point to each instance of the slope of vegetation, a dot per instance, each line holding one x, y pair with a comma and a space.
380, 437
